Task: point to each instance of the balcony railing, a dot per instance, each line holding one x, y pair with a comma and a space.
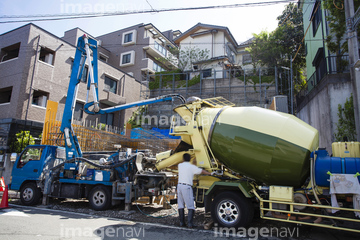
329, 65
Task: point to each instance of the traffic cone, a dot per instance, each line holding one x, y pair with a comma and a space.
5, 199
2, 184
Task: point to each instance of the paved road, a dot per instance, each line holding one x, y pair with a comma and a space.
19, 222
38, 223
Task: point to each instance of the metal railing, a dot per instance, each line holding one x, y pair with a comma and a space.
329, 65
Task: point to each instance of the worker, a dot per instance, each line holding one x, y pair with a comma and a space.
184, 189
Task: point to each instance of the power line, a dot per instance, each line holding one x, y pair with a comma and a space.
67, 16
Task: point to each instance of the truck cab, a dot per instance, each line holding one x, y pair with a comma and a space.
28, 169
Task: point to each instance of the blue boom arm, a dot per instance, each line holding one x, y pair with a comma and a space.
83, 54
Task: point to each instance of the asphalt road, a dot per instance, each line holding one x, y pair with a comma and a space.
41, 223
21, 222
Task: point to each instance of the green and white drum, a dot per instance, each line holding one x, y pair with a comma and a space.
269, 146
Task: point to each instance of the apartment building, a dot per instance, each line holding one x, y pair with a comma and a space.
35, 66
328, 82
140, 50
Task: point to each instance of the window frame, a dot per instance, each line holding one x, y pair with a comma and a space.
206, 73
44, 52
39, 93
23, 161
109, 88
125, 41
132, 58
105, 118
78, 110
7, 90
4, 52
317, 17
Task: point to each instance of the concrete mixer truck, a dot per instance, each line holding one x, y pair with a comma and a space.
265, 162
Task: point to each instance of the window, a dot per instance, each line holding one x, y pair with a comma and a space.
206, 73
9, 52
319, 63
110, 85
47, 55
157, 68
85, 77
160, 48
30, 154
5, 94
103, 57
127, 58
78, 111
40, 98
246, 58
107, 119
316, 16
129, 38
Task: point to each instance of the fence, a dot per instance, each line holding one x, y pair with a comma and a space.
243, 87
91, 139
328, 65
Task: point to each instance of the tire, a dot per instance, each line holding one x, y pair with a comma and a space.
30, 194
100, 198
231, 209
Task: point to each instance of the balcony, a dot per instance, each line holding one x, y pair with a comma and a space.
156, 50
327, 69
147, 65
110, 98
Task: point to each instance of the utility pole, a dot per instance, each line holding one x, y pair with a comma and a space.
353, 59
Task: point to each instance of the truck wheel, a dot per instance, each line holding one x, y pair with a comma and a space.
100, 198
230, 209
30, 194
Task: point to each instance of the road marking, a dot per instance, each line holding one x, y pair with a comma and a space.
13, 212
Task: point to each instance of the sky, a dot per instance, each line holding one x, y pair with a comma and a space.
242, 22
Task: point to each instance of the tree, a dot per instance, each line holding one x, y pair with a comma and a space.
346, 124
336, 40
275, 48
22, 139
265, 50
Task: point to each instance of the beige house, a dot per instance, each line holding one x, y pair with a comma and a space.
224, 53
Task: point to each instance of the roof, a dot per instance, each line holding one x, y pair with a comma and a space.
247, 42
206, 27
150, 25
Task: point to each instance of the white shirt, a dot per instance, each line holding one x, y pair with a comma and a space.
187, 172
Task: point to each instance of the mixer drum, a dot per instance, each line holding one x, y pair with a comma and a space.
271, 147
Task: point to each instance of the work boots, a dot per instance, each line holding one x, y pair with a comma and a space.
182, 217
191, 213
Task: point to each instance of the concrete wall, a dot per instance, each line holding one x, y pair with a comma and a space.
320, 107
6, 169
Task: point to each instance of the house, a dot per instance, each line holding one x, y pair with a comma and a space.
220, 74
35, 66
327, 84
138, 50
220, 45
